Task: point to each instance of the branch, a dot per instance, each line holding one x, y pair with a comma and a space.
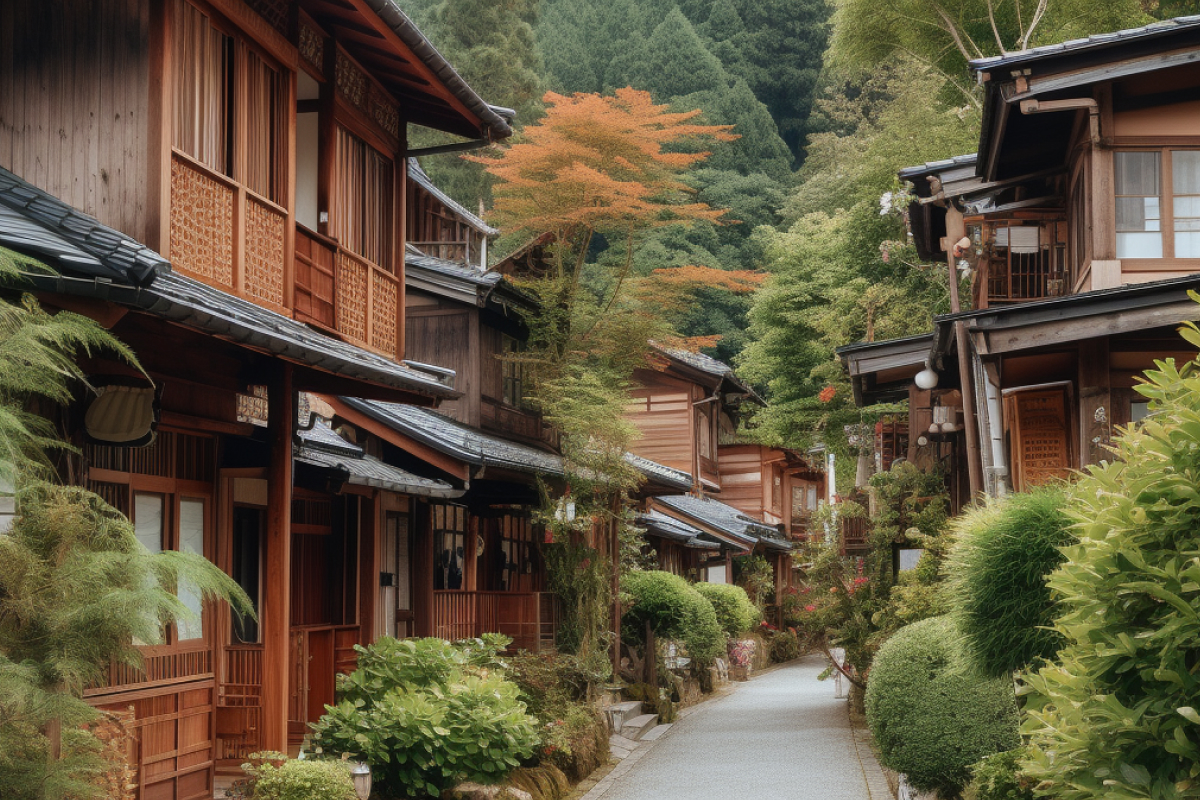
957, 35
825, 649
1037, 18
995, 30
970, 96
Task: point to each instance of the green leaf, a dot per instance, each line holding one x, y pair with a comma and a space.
1189, 713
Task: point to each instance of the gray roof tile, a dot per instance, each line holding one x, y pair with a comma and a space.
425, 182
661, 472
1160, 28
726, 519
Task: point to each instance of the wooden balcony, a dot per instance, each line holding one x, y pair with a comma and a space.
344, 293
504, 419
1021, 258
530, 619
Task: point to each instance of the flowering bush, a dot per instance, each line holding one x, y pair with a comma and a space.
741, 652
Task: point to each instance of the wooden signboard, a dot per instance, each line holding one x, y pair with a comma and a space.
1041, 442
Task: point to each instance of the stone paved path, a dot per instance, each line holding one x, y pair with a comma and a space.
782, 736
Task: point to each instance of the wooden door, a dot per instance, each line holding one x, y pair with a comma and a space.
1039, 434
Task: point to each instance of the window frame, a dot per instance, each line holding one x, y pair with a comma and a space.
1168, 260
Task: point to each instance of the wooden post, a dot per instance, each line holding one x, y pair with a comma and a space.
955, 231
276, 601
1095, 402
369, 537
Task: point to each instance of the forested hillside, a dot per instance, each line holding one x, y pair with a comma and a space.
829, 100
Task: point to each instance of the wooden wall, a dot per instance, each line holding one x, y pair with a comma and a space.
742, 478
661, 407
446, 334
74, 104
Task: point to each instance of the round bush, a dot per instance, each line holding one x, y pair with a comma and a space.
282, 779
1118, 714
997, 570
931, 714
675, 611
735, 613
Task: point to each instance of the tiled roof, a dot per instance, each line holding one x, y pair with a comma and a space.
40, 224
934, 167
97, 261
1096, 41
322, 437
698, 361
658, 524
457, 440
425, 182
413, 257
661, 472
725, 519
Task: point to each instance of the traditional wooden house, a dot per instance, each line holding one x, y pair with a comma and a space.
777, 485
440, 227
1075, 220
223, 185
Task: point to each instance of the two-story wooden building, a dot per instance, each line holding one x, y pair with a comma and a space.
223, 184
1075, 220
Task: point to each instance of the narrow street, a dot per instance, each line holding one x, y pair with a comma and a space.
783, 735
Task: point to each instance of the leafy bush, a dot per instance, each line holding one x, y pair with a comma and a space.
783, 646
998, 777
427, 715
275, 777
674, 610
735, 613
932, 716
1118, 715
998, 568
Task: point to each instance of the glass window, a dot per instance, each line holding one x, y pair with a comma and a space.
247, 560
1139, 216
148, 520
1185, 186
191, 540
449, 540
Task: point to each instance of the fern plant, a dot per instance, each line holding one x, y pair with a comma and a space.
77, 588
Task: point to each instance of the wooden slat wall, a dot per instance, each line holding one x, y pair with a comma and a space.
74, 104
440, 336
742, 477
666, 425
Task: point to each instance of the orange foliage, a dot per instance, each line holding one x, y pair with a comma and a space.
740, 281
595, 162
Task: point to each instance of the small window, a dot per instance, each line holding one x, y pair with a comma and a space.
1185, 190
191, 540
449, 541
247, 567
1138, 411
513, 370
1139, 213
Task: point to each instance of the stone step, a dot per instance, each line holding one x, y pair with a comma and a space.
620, 713
655, 732
638, 727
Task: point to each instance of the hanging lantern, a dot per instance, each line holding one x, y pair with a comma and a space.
360, 773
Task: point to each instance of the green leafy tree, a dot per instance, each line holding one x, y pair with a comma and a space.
1117, 714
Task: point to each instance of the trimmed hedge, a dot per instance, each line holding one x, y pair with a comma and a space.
932, 716
674, 610
735, 613
997, 570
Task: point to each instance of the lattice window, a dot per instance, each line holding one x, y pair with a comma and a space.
252, 407
265, 232
384, 311
361, 219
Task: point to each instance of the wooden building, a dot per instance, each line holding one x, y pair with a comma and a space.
773, 484
1075, 220
223, 184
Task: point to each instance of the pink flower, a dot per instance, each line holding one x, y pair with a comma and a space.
810, 607
833, 590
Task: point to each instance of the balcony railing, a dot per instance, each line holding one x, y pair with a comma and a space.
855, 533
343, 292
529, 425
450, 251
530, 619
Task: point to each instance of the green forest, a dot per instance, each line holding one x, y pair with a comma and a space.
828, 101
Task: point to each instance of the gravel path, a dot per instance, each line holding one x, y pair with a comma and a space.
782, 736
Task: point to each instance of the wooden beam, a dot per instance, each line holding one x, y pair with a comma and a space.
258, 29
275, 615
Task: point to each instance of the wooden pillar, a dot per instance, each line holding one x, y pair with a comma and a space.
369, 567
422, 539
1095, 402
276, 596
955, 230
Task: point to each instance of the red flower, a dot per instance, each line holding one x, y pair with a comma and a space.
810, 607
827, 394
833, 590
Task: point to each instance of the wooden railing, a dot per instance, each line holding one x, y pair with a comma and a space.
225, 235
343, 292
157, 670
450, 251
239, 704
496, 416
530, 619
855, 532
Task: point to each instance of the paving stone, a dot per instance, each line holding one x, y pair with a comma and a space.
655, 732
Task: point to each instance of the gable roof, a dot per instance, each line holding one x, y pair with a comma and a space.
662, 525
726, 520
661, 473
1090, 44
463, 283
419, 177
98, 262
457, 440
708, 366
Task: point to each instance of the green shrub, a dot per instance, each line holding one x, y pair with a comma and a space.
1118, 714
426, 715
998, 567
554, 687
783, 646
277, 778
735, 613
931, 714
998, 777
674, 610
